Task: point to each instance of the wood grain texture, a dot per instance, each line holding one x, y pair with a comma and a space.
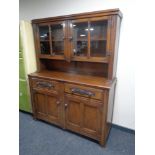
81, 15
87, 80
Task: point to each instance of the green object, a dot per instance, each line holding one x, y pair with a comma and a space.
24, 102
20, 55
24, 97
21, 69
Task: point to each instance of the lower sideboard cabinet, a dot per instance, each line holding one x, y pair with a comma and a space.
78, 108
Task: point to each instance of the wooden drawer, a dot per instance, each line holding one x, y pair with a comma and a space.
44, 84
84, 91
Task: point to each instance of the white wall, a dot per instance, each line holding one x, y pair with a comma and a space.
124, 110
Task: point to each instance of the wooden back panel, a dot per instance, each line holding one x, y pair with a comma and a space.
85, 68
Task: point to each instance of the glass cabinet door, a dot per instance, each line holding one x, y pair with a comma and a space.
80, 38
51, 39
57, 39
44, 40
90, 38
98, 38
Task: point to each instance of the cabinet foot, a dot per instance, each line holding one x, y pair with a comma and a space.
34, 118
102, 143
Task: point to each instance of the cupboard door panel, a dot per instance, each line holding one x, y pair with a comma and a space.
53, 108
90, 118
40, 105
92, 112
72, 113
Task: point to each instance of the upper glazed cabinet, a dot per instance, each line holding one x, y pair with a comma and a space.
84, 39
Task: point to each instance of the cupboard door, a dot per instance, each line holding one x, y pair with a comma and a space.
92, 117
90, 38
73, 113
53, 108
52, 39
40, 105
83, 115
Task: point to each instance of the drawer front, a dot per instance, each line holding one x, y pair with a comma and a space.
45, 84
84, 91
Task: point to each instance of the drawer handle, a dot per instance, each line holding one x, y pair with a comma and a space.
44, 84
82, 92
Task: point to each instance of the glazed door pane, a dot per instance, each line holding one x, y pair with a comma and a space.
57, 39
80, 38
44, 39
98, 38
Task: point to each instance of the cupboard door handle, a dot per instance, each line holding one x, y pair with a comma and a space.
66, 105
70, 38
82, 92
58, 102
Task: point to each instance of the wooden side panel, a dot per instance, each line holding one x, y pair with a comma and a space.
107, 113
113, 46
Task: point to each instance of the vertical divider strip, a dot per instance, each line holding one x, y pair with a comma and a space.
88, 54
65, 39
50, 39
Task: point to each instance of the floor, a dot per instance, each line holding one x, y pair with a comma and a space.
40, 138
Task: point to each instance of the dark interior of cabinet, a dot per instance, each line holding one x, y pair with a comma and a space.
84, 68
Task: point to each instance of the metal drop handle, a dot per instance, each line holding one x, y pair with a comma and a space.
82, 92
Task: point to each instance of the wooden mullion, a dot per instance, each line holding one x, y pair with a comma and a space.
88, 52
65, 35
50, 40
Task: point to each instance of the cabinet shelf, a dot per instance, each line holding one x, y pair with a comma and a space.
75, 58
48, 56
44, 40
92, 39
57, 40
98, 39
91, 59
